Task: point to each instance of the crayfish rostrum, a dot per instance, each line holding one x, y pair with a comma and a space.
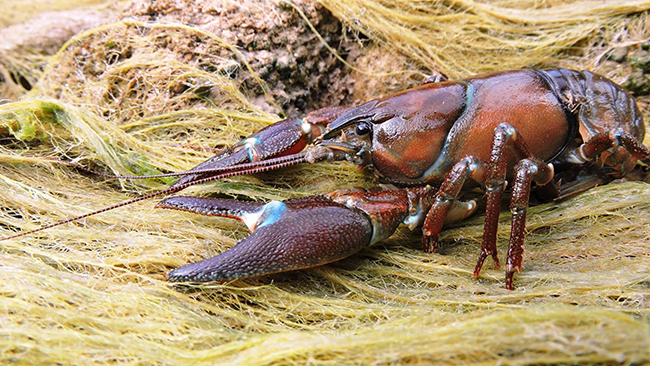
521, 131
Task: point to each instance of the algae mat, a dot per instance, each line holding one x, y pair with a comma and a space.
93, 292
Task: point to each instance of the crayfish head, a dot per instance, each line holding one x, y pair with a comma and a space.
351, 142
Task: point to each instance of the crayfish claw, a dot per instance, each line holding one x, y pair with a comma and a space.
287, 235
281, 138
300, 232
284, 138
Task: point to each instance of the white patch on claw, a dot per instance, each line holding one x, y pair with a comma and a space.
249, 145
577, 156
305, 127
460, 210
268, 214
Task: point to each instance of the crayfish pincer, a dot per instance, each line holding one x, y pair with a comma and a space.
521, 130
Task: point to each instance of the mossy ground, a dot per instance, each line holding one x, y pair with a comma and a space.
134, 97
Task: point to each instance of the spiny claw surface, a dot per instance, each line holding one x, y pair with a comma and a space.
293, 234
300, 232
282, 138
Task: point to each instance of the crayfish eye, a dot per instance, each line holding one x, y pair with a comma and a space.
362, 129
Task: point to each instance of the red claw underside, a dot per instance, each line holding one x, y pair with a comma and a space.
283, 138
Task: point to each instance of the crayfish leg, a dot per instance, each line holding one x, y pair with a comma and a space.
445, 201
506, 138
628, 150
527, 170
493, 176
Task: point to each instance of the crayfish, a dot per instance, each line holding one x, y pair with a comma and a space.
516, 131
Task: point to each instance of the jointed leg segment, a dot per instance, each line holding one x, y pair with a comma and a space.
445, 198
528, 169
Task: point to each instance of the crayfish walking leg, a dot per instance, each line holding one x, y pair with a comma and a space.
527, 170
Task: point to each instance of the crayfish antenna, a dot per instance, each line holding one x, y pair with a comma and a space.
222, 172
80, 217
